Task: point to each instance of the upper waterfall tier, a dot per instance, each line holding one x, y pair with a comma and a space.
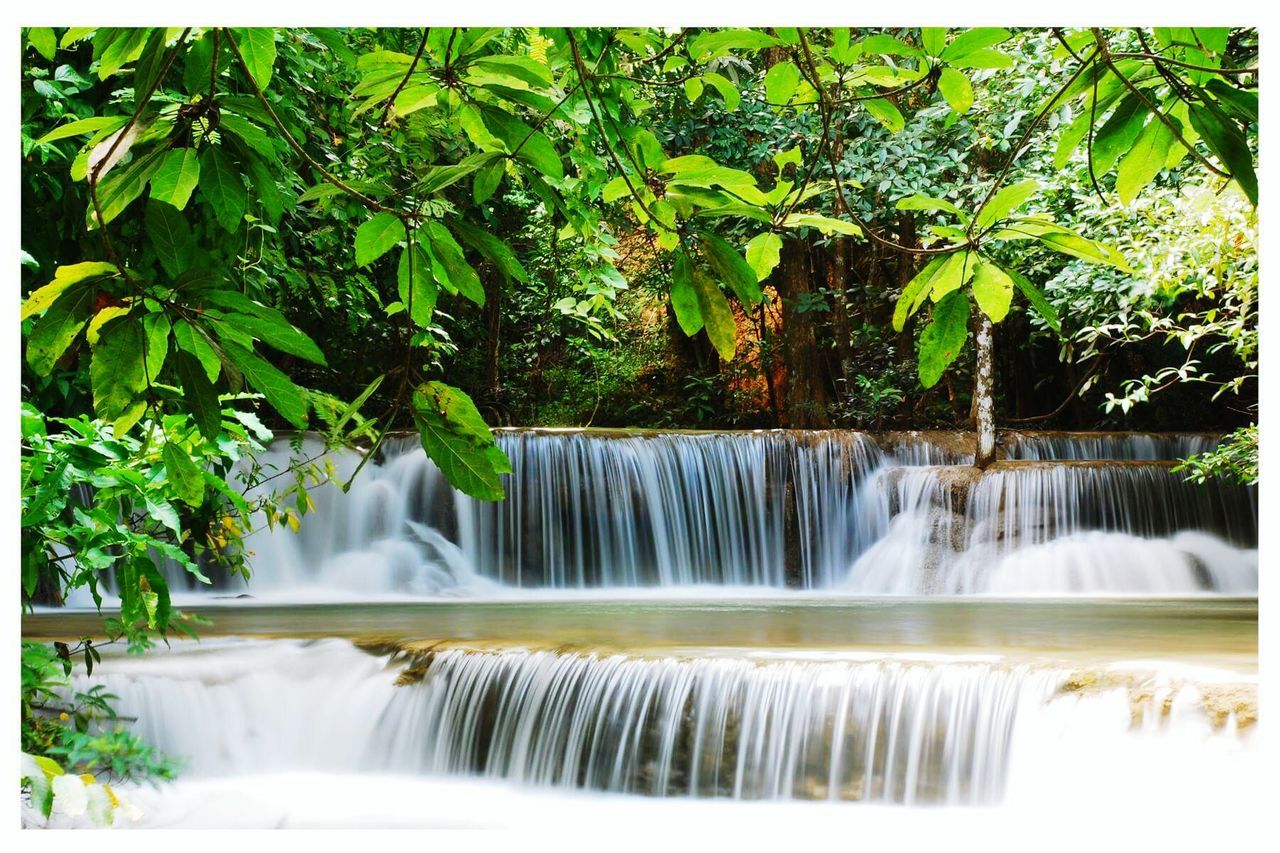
834, 510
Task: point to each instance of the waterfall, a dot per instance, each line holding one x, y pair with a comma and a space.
1023, 528
886, 728
771, 509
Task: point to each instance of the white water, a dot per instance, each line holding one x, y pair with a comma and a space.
773, 510
893, 729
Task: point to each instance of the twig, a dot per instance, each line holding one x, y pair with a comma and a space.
422, 45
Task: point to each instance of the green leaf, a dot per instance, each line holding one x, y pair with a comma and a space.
684, 299
491, 248
183, 474
952, 275
728, 91
176, 178
1072, 244
281, 392
63, 278
825, 224
886, 113
916, 291
992, 290
1228, 144
93, 124
1144, 161
117, 370
720, 42
732, 268
277, 335
535, 148
415, 284
223, 188
1005, 202
780, 83
1118, 132
457, 440
197, 342
53, 333
944, 337
44, 41
156, 329
934, 40
198, 393
955, 87
1038, 300
459, 275
984, 58
377, 236
170, 236
764, 251
486, 182
970, 41
716, 315
258, 47
119, 189
923, 202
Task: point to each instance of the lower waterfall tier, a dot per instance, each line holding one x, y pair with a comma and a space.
830, 726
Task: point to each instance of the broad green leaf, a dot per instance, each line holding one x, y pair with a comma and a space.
780, 83
44, 41
258, 47
183, 474
944, 337
684, 299
155, 327
720, 42
992, 290
732, 268
281, 392
1070, 138
532, 146
1088, 250
170, 236
456, 439
490, 248
377, 236
693, 88
1117, 133
176, 178
53, 333
728, 91
63, 278
915, 292
1006, 201
887, 45
198, 393
79, 127
1038, 300
223, 188
955, 87
973, 40
277, 335
886, 113
716, 314
461, 277
117, 370
934, 40
764, 251
116, 47
984, 58
415, 284
1144, 161
100, 319
825, 224
119, 189
952, 275
486, 181
197, 343
923, 202
1228, 144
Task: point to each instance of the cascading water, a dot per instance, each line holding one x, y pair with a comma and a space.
896, 729
772, 509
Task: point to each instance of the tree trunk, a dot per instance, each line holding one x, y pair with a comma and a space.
806, 396
840, 313
983, 396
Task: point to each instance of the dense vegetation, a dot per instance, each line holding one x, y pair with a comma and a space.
229, 231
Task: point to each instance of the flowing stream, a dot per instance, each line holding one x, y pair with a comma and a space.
764, 617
